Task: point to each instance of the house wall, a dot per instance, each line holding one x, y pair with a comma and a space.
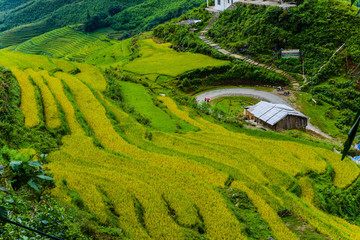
291, 122
221, 5
249, 115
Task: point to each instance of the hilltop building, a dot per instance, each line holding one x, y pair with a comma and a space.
221, 5
277, 117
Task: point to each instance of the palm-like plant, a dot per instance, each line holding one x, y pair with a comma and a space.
351, 136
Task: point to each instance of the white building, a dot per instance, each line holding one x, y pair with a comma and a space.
221, 5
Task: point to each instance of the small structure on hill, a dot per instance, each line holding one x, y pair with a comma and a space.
221, 5
277, 117
189, 22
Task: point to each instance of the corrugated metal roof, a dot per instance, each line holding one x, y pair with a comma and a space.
273, 113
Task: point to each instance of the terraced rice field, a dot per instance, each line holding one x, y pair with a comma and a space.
160, 59
63, 43
21, 34
163, 180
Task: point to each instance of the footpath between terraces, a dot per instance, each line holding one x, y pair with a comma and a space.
202, 36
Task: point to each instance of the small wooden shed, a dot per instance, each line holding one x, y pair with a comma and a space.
277, 117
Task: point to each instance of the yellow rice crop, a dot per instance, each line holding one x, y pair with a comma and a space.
57, 88
91, 75
52, 119
346, 171
28, 100
171, 105
278, 227
274, 153
95, 115
307, 190
64, 65
219, 221
24, 61
243, 163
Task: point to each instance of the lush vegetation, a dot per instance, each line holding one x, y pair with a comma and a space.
318, 28
134, 157
22, 20
235, 73
182, 175
67, 43
233, 105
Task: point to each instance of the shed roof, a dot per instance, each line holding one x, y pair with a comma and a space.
273, 113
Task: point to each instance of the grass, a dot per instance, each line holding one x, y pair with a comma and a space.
160, 59
323, 116
210, 88
303, 229
116, 55
233, 105
137, 97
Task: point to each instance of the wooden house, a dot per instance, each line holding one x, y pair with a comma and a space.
277, 117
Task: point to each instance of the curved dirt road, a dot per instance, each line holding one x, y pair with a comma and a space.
269, 97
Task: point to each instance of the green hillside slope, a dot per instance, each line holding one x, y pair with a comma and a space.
48, 15
147, 167
317, 27
67, 43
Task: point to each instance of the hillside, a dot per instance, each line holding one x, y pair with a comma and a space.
137, 165
130, 155
318, 28
22, 20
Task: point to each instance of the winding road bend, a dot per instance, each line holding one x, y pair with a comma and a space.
269, 97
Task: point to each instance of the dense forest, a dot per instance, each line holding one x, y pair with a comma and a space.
128, 17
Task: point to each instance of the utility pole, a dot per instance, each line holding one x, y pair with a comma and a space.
207, 2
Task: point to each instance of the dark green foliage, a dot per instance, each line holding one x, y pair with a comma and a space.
23, 171
95, 22
183, 39
236, 73
124, 16
150, 13
351, 136
25, 201
317, 27
344, 203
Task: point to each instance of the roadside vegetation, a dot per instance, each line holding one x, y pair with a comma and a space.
318, 28
113, 147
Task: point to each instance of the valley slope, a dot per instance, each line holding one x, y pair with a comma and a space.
134, 157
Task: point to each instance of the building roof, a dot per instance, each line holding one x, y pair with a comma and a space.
273, 113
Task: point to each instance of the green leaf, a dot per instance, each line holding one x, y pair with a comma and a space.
34, 185
35, 164
45, 177
352, 2
9, 200
15, 165
3, 213
352, 134
4, 189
